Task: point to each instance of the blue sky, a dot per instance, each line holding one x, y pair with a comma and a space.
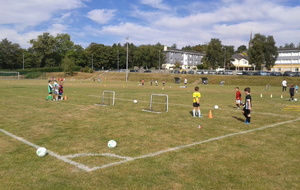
181, 22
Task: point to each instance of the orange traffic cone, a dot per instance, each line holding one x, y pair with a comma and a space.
65, 98
210, 114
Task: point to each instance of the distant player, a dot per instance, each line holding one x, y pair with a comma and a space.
49, 91
238, 97
247, 106
292, 92
196, 102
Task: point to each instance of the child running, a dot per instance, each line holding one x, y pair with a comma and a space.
196, 102
247, 106
238, 97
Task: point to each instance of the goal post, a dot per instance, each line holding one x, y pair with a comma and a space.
9, 75
108, 97
158, 103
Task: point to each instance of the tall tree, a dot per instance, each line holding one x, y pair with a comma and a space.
10, 55
263, 51
214, 55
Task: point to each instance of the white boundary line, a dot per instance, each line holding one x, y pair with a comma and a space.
127, 159
63, 158
193, 144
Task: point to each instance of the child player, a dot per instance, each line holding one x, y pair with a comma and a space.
247, 106
49, 91
238, 97
196, 102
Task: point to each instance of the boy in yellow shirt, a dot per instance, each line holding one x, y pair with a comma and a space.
196, 102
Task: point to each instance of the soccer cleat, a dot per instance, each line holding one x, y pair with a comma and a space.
200, 116
247, 122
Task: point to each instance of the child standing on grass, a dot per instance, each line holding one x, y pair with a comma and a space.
49, 91
238, 97
247, 106
196, 102
60, 91
292, 92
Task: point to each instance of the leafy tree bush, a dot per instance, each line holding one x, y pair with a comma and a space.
33, 75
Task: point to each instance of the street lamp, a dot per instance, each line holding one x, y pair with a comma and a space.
224, 57
127, 58
118, 60
159, 61
92, 62
23, 61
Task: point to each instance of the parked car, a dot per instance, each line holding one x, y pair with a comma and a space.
199, 72
228, 72
183, 72
239, 72
205, 72
191, 72
289, 73
212, 72
147, 71
176, 72
275, 74
133, 71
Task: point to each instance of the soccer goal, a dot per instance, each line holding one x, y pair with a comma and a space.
9, 75
108, 98
158, 103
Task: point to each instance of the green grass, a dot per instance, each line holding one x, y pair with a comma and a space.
261, 159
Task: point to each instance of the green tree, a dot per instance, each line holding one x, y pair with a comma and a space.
68, 65
11, 55
214, 55
50, 50
263, 52
241, 49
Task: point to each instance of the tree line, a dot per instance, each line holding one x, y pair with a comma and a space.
59, 51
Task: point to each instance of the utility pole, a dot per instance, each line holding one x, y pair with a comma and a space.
127, 58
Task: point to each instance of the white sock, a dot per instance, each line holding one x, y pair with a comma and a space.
199, 113
194, 113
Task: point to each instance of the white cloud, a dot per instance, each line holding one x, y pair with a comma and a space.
32, 12
101, 16
158, 4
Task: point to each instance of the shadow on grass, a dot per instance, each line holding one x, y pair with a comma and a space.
238, 118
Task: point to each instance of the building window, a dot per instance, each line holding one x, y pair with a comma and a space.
297, 69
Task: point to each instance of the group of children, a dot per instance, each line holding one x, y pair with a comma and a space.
247, 105
55, 91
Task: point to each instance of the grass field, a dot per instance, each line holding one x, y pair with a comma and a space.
155, 151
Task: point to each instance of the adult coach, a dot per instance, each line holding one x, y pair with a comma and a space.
284, 85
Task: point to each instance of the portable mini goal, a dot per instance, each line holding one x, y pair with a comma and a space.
108, 98
158, 103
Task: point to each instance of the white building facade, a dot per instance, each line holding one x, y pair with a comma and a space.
186, 59
287, 60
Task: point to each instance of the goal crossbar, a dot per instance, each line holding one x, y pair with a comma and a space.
113, 96
151, 103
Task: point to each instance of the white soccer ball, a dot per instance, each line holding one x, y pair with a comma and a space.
135, 101
112, 144
216, 107
295, 99
41, 152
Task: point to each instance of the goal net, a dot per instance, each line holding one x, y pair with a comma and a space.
108, 98
9, 75
158, 103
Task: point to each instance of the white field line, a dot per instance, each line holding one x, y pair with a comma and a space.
64, 159
127, 159
96, 154
193, 144
233, 110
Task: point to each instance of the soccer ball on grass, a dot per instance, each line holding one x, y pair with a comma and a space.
41, 152
216, 107
112, 144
